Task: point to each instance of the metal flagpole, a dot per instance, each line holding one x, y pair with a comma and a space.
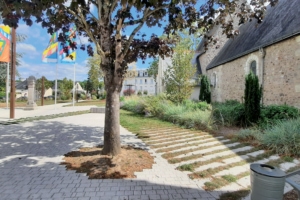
7, 85
74, 86
55, 96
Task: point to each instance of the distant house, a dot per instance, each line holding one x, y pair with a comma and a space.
78, 88
21, 89
271, 50
138, 80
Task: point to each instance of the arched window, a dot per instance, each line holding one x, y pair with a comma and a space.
253, 67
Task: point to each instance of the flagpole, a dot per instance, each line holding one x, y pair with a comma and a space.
74, 86
55, 96
7, 84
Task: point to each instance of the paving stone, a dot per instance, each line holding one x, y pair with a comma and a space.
203, 151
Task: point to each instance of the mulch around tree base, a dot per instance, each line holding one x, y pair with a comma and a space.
89, 160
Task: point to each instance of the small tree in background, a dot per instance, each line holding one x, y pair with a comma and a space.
205, 93
252, 95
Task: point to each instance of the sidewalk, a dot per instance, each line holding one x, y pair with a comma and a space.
41, 111
30, 154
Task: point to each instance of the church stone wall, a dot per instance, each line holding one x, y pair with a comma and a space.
281, 75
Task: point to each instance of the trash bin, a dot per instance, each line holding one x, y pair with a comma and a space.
267, 182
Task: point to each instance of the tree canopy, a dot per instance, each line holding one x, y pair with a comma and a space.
104, 22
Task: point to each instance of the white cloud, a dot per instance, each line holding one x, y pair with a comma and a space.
29, 31
28, 50
49, 71
82, 40
23, 47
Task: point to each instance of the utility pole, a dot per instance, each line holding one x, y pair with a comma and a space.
43, 91
13, 74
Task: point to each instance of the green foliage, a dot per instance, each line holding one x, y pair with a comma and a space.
252, 98
122, 98
193, 105
153, 68
65, 87
94, 97
205, 93
186, 167
284, 138
94, 73
83, 96
145, 92
272, 114
102, 95
248, 135
229, 113
178, 76
189, 114
230, 178
139, 93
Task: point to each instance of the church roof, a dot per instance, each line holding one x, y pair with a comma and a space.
281, 22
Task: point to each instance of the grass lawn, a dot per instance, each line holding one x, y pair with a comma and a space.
99, 103
23, 103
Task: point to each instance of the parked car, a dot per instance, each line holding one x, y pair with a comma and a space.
49, 97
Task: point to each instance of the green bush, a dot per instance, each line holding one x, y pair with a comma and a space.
271, 115
284, 138
94, 97
122, 98
83, 96
247, 135
252, 98
189, 114
205, 93
134, 104
229, 113
193, 105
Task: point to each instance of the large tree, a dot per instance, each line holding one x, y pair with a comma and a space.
178, 76
104, 22
94, 73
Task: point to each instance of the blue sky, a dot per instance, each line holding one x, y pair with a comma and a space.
37, 41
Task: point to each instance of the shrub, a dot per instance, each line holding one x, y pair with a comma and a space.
271, 115
94, 97
189, 114
83, 96
139, 93
103, 95
145, 92
194, 105
128, 92
284, 138
229, 113
122, 98
248, 135
134, 104
205, 94
252, 98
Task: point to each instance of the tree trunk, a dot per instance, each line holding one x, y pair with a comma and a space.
112, 144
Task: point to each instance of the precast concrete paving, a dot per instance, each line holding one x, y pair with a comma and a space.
31, 153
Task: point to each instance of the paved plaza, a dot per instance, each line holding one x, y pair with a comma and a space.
31, 152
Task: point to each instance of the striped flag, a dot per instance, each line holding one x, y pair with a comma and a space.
50, 53
4, 43
69, 57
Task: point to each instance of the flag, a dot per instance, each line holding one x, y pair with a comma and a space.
4, 43
50, 53
69, 57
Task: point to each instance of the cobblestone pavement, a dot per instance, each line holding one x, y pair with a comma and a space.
30, 154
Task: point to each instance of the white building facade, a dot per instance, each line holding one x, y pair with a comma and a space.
138, 80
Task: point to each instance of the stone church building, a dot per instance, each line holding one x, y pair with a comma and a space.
271, 50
